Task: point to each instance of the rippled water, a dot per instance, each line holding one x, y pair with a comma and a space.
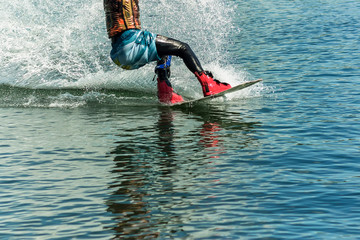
87, 153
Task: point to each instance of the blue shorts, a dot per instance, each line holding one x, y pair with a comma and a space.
134, 49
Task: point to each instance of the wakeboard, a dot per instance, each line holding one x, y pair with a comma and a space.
231, 90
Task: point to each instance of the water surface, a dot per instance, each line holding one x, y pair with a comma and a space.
86, 151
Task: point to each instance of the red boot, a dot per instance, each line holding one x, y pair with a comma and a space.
166, 93
211, 86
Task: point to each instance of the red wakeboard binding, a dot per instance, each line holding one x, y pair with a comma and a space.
211, 86
166, 93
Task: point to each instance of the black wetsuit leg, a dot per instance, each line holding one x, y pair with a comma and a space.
168, 46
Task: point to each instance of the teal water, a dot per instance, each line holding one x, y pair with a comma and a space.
87, 153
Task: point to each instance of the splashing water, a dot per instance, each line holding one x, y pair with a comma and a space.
64, 44
48, 44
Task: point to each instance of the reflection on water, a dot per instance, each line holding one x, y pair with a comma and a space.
210, 140
85, 162
153, 189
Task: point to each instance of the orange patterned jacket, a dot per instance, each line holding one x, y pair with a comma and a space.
121, 15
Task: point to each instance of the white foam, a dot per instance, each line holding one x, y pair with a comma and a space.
64, 45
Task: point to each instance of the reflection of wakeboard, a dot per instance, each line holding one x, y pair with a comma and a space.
231, 90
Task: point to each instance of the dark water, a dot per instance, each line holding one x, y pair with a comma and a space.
98, 158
